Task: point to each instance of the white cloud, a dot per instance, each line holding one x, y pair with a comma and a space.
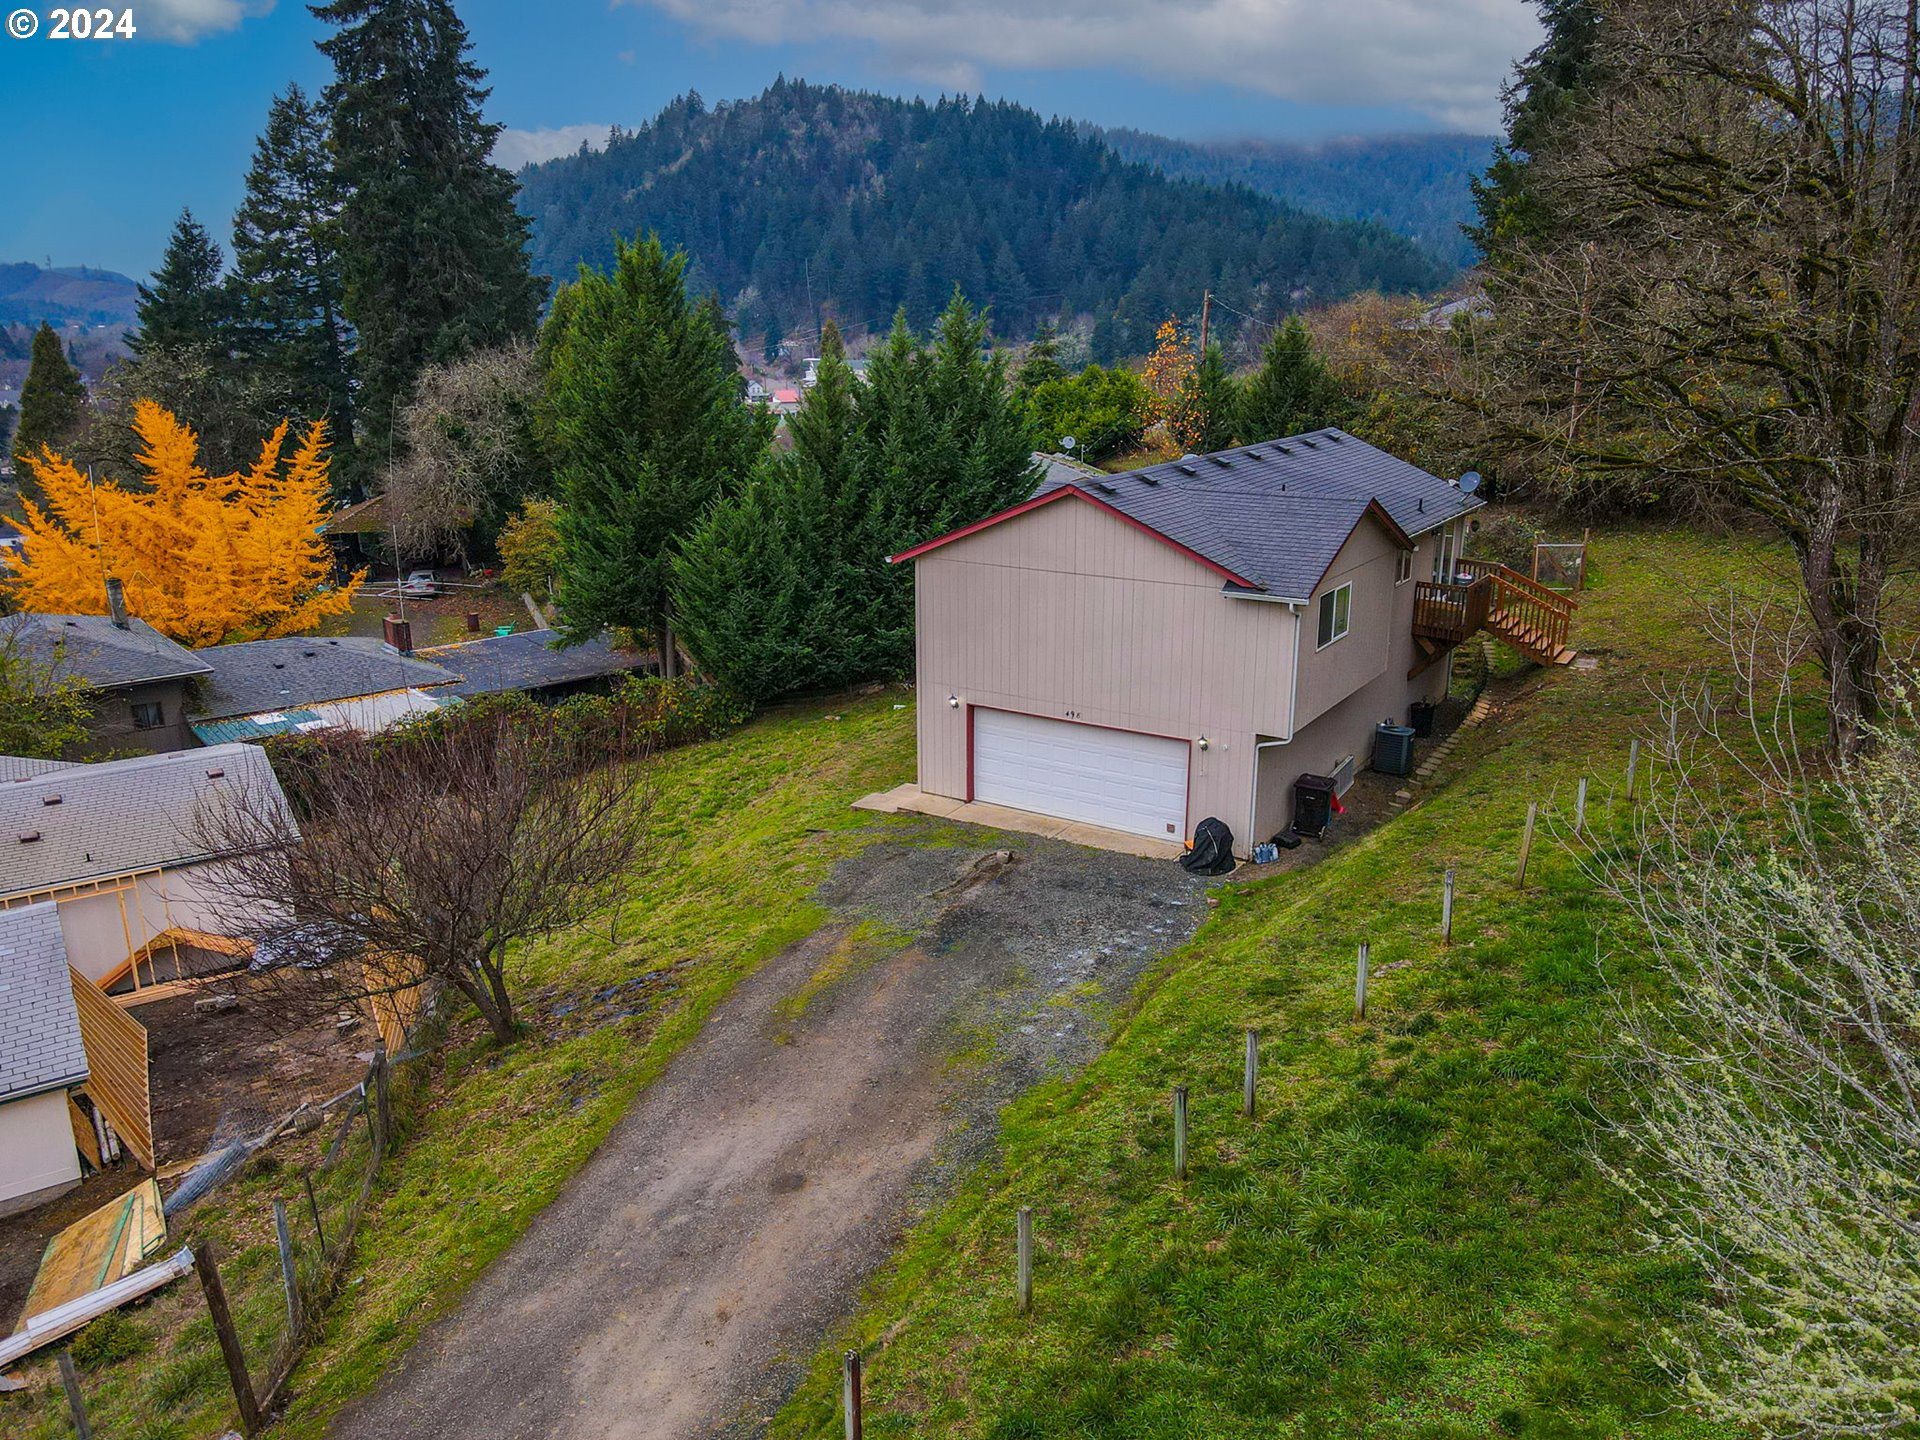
185, 21
1445, 58
515, 148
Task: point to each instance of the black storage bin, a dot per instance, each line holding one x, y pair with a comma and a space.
1420, 717
1393, 749
1312, 804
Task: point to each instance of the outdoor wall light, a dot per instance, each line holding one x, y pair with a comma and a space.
1202, 742
953, 702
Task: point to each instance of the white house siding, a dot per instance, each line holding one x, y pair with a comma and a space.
1070, 613
37, 1156
102, 926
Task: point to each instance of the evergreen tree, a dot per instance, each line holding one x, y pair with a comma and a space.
53, 403
1292, 391
1540, 100
649, 430
187, 308
433, 252
1206, 411
1041, 363
287, 267
770, 347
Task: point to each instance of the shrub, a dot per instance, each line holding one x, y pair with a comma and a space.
1508, 537
115, 1336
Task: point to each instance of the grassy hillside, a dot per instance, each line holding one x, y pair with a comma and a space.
1410, 1239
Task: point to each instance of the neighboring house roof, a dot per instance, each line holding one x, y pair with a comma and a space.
22, 767
121, 816
95, 651
786, 396
1054, 466
368, 714
1267, 518
268, 675
364, 517
40, 1045
527, 660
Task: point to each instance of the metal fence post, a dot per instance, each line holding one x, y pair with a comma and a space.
1250, 1079
1179, 1132
1526, 841
850, 1393
1360, 980
1024, 1247
1633, 766
1446, 908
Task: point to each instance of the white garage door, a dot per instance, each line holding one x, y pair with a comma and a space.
1112, 778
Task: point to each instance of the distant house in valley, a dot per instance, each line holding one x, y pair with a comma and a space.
756, 392
298, 684
127, 852
137, 679
786, 400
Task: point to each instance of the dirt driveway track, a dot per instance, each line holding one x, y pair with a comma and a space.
682, 1280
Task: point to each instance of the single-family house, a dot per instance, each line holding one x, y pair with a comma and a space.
786, 400
528, 661
129, 853
138, 681
259, 688
756, 392
73, 1066
1144, 650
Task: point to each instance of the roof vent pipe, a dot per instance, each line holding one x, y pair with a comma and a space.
117, 602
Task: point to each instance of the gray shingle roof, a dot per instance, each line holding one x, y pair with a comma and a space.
39, 1027
262, 675
1276, 513
120, 816
91, 648
527, 660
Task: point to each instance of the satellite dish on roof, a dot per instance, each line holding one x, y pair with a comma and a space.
1469, 482
1067, 442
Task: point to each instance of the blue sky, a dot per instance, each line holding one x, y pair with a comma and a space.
108, 139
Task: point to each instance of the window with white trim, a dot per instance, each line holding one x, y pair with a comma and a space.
1335, 608
1445, 551
1403, 571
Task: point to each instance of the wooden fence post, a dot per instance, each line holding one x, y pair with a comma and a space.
1024, 1247
284, 1237
850, 1393
1633, 766
319, 1230
1446, 908
1580, 808
382, 1099
1179, 1132
1250, 1079
1360, 980
206, 1262
1526, 842
70, 1382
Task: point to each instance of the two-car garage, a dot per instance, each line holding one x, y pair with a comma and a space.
1117, 779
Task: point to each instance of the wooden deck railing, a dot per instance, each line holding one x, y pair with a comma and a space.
1450, 613
1526, 602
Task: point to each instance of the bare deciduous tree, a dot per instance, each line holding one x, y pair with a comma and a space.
471, 451
1771, 1084
427, 856
1730, 303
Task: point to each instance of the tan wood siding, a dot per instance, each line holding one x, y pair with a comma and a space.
116, 1046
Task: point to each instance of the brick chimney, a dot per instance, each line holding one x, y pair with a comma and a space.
399, 635
117, 601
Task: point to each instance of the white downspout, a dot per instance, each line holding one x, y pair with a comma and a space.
1293, 701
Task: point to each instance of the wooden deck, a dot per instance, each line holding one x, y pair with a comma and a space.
1488, 596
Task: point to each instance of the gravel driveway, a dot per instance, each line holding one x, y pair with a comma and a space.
683, 1279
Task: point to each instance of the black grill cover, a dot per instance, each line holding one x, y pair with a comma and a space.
1212, 852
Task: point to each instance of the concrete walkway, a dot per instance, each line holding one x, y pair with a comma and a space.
910, 797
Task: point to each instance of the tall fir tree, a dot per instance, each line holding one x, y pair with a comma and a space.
1041, 363
188, 306
288, 284
1206, 412
433, 252
649, 430
1546, 87
53, 403
1293, 391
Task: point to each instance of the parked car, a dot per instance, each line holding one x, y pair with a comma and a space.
421, 585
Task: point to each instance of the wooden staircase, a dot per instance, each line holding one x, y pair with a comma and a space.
1488, 596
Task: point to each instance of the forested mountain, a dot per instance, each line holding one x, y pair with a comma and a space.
813, 200
66, 295
1417, 185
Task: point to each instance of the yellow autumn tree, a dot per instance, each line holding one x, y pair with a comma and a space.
1171, 364
205, 559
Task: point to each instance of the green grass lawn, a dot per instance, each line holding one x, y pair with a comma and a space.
1411, 1238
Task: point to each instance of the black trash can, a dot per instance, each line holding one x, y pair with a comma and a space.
1393, 749
1312, 804
1420, 717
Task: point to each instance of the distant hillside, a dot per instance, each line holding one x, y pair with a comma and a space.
867, 203
65, 296
1415, 185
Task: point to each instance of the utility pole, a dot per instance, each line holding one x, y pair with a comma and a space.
1206, 313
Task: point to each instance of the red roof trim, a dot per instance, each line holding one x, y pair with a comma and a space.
1069, 489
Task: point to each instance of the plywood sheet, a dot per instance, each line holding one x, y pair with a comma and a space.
99, 1248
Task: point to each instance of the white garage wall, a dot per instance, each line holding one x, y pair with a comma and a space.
36, 1148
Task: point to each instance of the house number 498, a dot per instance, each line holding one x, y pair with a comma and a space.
1071, 714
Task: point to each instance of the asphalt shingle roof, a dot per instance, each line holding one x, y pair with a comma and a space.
91, 648
527, 660
263, 675
1276, 513
120, 816
39, 1027
22, 767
